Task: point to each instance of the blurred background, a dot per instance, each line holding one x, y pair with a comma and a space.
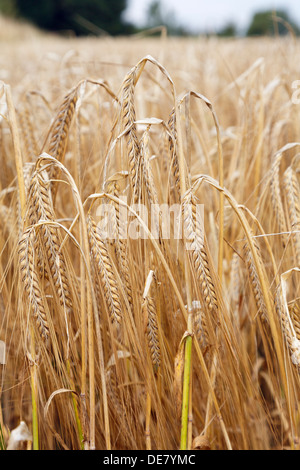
191, 17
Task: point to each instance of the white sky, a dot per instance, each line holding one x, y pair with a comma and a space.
202, 15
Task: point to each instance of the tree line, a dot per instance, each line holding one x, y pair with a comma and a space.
107, 17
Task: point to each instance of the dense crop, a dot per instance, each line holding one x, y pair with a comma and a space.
142, 338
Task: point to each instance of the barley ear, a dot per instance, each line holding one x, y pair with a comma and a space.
31, 281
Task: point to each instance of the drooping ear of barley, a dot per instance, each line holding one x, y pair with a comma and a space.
173, 151
32, 283
147, 173
41, 210
121, 245
61, 125
200, 326
235, 287
28, 169
292, 194
103, 266
128, 117
294, 310
120, 403
197, 250
112, 390
27, 131
286, 319
148, 180
254, 279
58, 137
276, 197
150, 315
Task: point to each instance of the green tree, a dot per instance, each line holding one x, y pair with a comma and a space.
268, 23
8, 7
228, 31
157, 15
79, 16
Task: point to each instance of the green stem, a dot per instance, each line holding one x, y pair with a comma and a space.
186, 393
78, 422
188, 343
2, 442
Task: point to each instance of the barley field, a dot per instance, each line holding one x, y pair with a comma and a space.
143, 339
